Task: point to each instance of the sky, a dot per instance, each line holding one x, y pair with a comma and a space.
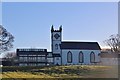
30, 22
60, 0
0, 13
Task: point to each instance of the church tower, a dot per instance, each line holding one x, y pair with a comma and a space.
56, 37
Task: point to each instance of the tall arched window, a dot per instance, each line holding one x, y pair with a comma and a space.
92, 57
69, 57
81, 57
56, 46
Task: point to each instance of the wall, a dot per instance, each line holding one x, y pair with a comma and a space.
75, 56
57, 60
109, 61
56, 41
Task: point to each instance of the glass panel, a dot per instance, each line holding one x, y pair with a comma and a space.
69, 57
56, 46
92, 57
81, 57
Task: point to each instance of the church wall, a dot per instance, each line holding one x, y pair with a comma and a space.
56, 33
55, 51
57, 61
56, 41
75, 56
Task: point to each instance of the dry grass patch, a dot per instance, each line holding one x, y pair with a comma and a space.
72, 71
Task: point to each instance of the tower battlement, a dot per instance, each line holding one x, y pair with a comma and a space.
59, 30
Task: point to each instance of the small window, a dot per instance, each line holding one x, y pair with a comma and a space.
92, 57
56, 46
81, 57
69, 57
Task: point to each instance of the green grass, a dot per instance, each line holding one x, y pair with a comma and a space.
75, 71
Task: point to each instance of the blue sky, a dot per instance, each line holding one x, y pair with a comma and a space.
60, 0
30, 23
0, 13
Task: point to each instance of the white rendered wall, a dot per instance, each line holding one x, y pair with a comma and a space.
53, 33
57, 60
56, 41
75, 56
54, 50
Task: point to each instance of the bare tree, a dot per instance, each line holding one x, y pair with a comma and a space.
10, 55
6, 39
114, 43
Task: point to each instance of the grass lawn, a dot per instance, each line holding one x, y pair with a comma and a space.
75, 71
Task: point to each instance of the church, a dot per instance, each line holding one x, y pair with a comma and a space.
62, 52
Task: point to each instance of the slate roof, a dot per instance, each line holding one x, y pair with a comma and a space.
80, 45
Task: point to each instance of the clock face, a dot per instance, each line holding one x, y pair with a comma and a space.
56, 36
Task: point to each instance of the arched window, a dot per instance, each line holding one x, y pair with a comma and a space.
56, 46
81, 57
69, 57
92, 57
